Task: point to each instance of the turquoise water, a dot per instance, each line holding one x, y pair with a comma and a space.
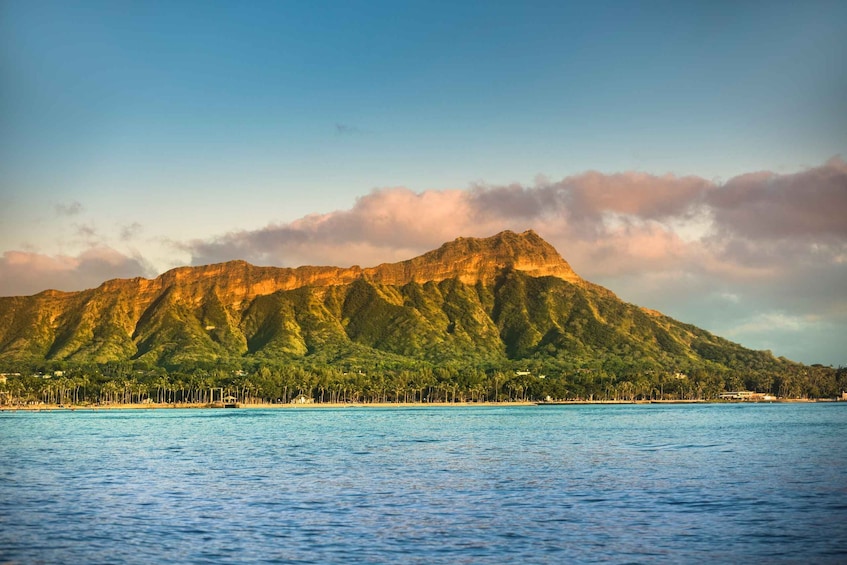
546, 484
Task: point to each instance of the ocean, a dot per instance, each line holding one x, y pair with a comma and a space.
725, 483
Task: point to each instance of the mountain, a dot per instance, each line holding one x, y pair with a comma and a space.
497, 300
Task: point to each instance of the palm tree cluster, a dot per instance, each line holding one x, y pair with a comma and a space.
127, 383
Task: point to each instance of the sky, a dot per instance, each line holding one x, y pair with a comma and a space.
689, 156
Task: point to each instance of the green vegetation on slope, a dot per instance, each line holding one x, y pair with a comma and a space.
366, 340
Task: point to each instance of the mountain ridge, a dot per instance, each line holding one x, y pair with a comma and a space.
488, 301
506, 249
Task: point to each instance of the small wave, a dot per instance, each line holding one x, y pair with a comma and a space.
675, 446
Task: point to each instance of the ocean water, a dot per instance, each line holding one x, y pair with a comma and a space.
547, 484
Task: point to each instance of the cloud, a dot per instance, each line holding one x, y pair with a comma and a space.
130, 231
87, 233
800, 337
346, 129
588, 197
385, 225
25, 273
640, 195
752, 227
766, 206
73, 208
765, 322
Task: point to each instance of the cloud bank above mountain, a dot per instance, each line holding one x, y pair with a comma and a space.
752, 227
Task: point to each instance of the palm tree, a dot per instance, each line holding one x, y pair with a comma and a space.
109, 392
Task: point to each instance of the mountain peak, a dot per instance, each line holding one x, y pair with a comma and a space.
472, 260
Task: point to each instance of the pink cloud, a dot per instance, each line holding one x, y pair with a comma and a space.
385, 225
764, 205
24, 273
603, 224
631, 247
635, 194
397, 216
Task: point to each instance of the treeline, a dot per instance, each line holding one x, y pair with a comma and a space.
611, 379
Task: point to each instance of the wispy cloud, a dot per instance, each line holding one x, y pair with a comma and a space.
87, 233
346, 129
73, 208
130, 231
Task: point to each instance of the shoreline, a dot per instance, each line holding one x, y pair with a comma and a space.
255, 406
407, 405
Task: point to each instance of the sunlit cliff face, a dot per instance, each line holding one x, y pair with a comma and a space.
472, 260
469, 260
236, 283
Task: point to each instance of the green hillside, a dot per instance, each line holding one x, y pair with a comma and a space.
505, 320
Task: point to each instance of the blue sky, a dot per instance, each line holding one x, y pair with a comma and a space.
137, 133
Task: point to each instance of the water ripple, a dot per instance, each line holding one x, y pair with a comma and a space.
477, 485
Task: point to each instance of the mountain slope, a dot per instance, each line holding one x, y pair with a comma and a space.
472, 301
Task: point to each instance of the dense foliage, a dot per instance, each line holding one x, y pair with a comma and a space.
386, 380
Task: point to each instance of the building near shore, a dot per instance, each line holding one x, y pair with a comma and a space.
747, 395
